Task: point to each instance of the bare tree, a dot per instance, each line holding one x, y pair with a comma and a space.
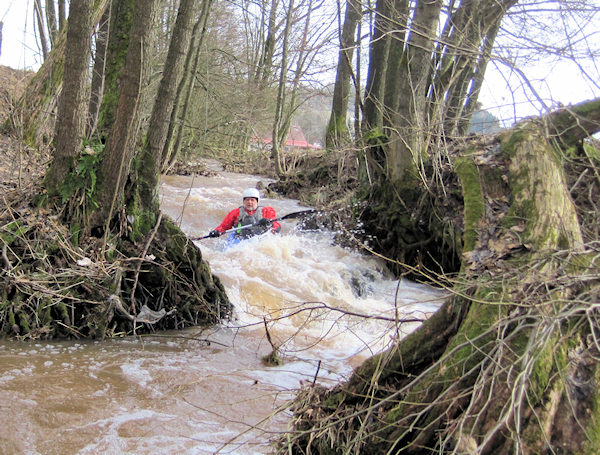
41, 27
152, 151
51, 20
98, 71
337, 130
281, 91
185, 89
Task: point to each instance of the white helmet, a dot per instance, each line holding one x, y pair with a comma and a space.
251, 192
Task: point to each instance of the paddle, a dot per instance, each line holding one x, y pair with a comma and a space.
289, 216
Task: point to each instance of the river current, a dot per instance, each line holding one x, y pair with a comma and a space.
208, 391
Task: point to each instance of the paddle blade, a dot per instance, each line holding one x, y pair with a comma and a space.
300, 214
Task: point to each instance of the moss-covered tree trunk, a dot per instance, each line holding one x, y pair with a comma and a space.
509, 364
123, 117
71, 109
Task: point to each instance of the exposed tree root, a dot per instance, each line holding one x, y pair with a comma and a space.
510, 363
53, 288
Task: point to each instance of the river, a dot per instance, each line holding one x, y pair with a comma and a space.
208, 391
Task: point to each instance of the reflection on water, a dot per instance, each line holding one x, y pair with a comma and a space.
207, 391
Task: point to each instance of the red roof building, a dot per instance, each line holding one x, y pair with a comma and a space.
295, 141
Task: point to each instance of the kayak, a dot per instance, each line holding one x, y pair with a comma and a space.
234, 238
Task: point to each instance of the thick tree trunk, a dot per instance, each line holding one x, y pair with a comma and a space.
121, 19
509, 363
151, 156
337, 129
408, 130
385, 58
71, 108
120, 150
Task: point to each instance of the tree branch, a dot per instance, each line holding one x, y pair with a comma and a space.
574, 123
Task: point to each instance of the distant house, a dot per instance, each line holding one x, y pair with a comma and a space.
296, 141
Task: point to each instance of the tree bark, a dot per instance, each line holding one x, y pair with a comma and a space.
71, 108
185, 89
408, 130
37, 7
264, 69
148, 175
466, 52
337, 129
509, 363
120, 150
277, 131
98, 72
121, 19
62, 14
51, 20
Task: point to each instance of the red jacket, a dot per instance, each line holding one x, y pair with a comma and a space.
232, 218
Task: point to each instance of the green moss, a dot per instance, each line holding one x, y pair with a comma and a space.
75, 229
474, 205
143, 222
273, 359
63, 312
177, 243
12, 231
545, 366
11, 319
24, 324
334, 401
337, 131
579, 261
44, 312
481, 317
592, 447
121, 21
592, 152
511, 139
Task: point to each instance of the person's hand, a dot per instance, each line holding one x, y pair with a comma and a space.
265, 222
214, 233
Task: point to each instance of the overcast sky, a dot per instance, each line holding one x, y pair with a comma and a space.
19, 49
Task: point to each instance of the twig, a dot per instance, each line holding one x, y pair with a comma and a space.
7, 264
139, 265
316, 373
269, 335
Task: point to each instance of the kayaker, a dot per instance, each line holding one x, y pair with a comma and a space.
249, 214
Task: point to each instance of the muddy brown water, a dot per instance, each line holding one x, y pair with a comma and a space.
208, 391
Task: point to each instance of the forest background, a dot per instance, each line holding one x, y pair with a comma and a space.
507, 221
555, 73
